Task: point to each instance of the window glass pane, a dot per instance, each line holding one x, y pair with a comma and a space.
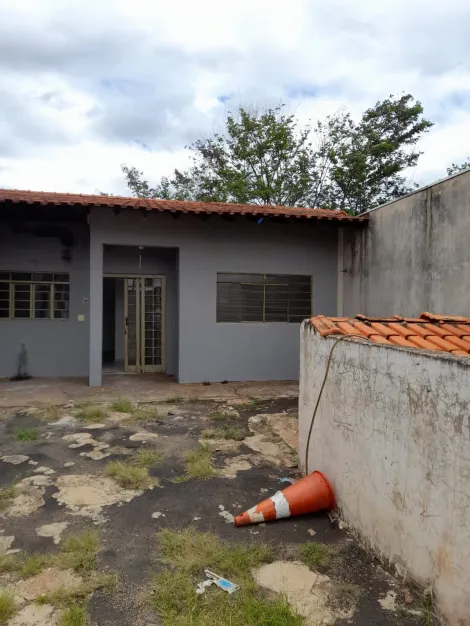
21, 300
4, 299
4, 275
42, 301
277, 303
61, 301
61, 278
20, 276
43, 277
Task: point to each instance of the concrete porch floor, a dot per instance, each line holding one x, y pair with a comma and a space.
143, 388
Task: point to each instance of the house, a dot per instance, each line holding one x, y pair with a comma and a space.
391, 430
204, 292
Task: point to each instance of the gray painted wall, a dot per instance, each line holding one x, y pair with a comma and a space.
207, 350
131, 260
415, 255
55, 347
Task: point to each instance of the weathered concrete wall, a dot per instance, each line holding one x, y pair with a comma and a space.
414, 256
55, 347
392, 434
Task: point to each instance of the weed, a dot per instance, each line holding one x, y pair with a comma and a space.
25, 565
147, 458
7, 606
175, 400
198, 463
188, 552
51, 413
219, 416
79, 550
122, 405
30, 565
74, 615
317, 555
129, 475
6, 496
254, 404
91, 413
193, 550
26, 434
64, 596
143, 414
227, 432
7, 563
234, 432
427, 607
344, 595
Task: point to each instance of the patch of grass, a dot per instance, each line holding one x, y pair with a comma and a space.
198, 464
227, 432
7, 606
26, 434
192, 550
317, 555
74, 615
219, 416
7, 563
253, 404
175, 400
51, 413
91, 413
32, 564
6, 496
234, 432
128, 475
188, 552
147, 457
122, 405
142, 414
63, 596
344, 596
79, 551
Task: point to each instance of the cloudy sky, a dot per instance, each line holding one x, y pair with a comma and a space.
86, 85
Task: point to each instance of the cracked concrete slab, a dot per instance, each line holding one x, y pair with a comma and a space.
47, 582
29, 498
87, 495
307, 591
35, 615
234, 465
54, 531
15, 459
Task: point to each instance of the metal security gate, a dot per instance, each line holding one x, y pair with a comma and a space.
144, 345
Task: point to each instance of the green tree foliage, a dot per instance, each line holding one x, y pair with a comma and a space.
267, 158
455, 169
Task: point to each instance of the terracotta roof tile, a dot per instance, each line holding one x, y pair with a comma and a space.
174, 206
429, 332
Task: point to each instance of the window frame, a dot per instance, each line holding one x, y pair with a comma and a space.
264, 284
12, 282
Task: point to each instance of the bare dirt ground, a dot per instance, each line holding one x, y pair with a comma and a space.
57, 461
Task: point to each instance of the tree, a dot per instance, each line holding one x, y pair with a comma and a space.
455, 169
268, 158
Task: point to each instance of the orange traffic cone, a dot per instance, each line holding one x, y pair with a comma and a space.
310, 494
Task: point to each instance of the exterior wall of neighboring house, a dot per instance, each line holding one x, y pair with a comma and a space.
392, 434
120, 260
414, 255
54, 347
207, 350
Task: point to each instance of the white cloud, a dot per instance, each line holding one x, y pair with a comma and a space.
87, 85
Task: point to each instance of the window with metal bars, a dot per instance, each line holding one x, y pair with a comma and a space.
263, 298
34, 295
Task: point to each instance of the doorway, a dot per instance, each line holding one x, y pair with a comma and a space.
134, 323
